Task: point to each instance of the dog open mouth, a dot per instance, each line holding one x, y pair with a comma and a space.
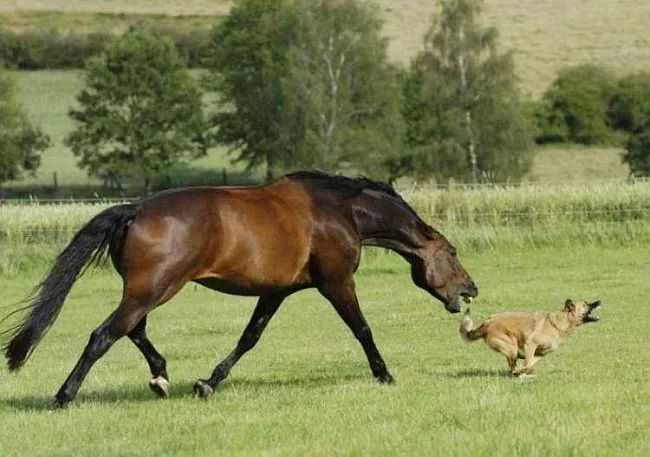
589, 317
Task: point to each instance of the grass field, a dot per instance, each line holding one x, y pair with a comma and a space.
545, 36
306, 389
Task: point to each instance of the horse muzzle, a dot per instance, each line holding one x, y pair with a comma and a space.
467, 294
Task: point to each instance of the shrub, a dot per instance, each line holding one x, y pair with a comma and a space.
629, 106
637, 154
575, 106
50, 49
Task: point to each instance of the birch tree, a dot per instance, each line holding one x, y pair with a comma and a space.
325, 95
463, 110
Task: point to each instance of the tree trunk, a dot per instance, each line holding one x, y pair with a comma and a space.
471, 143
329, 121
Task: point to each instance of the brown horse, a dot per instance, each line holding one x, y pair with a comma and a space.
303, 230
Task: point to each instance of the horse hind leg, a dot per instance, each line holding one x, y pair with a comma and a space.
135, 305
159, 382
118, 324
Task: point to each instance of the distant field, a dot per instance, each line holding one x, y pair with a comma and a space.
545, 36
48, 95
171, 7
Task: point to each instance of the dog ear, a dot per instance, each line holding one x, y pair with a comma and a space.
568, 305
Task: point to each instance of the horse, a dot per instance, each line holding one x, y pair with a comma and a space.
303, 230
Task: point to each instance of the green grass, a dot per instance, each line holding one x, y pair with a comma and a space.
306, 389
566, 163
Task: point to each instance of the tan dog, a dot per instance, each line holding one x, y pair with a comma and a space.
528, 336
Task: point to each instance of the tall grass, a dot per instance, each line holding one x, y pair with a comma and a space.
477, 218
537, 214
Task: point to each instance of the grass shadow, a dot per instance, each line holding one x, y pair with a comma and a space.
474, 373
182, 390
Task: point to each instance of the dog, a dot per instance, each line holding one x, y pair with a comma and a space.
528, 335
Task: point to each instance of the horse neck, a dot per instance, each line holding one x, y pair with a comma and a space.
384, 222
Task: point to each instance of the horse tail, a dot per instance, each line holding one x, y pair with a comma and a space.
87, 246
466, 331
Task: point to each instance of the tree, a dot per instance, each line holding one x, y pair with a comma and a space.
464, 114
20, 141
140, 111
575, 107
306, 83
629, 106
629, 110
637, 154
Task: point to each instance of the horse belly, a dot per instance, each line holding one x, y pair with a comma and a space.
250, 263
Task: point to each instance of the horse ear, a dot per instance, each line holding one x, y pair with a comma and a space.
568, 305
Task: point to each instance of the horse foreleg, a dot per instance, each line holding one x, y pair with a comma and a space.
343, 297
264, 311
159, 381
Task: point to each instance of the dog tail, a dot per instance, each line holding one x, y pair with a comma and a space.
466, 330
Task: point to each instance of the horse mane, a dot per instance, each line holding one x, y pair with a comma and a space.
347, 187
343, 184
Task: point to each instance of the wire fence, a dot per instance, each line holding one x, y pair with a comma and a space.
406, 189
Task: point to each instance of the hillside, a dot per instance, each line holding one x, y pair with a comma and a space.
545, 36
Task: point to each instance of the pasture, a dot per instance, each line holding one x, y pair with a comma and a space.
306, 388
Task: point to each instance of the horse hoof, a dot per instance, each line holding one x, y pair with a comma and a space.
160, 386
202, 389
386, 378
58, 404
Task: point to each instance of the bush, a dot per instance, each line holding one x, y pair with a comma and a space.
637, 154
50, 49
629, 107
576, 105
20, 142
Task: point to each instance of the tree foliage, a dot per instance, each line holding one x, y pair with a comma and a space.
308, 84
140, 111
630, 111
464, 115
637, 154
629, 106
575, 107
20, 141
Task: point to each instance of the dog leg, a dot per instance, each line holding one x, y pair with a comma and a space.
507, 347
531, 359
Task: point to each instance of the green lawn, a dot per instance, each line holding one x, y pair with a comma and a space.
306, 389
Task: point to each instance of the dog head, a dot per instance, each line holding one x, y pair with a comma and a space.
581, 311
